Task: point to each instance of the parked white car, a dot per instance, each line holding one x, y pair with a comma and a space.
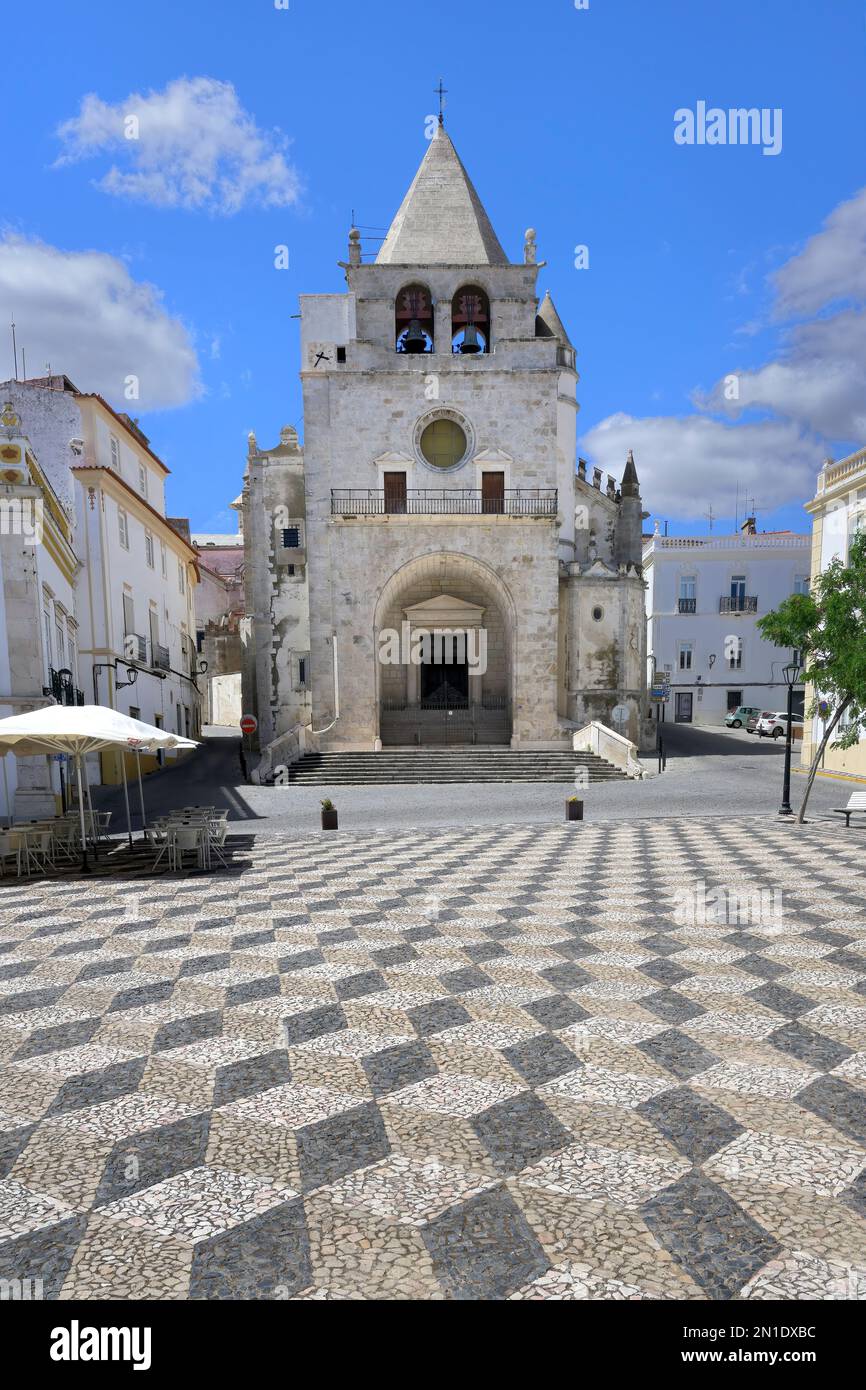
772, 725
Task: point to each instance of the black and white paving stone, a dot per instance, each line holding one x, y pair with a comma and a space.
586, 1061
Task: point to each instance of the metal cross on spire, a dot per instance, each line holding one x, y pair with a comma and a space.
441, 92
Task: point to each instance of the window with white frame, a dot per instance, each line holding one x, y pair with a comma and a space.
163, 560
148, 549
687, 602
685, 653
181, 576
801, 584
123, 527
114, 445
61, 639
734, 652
142, 479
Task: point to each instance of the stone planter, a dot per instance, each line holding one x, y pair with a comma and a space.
574, 810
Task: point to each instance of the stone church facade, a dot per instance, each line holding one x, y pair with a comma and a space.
436, 497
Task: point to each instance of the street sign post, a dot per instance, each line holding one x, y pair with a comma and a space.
249, 724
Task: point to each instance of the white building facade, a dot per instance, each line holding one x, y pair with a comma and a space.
703, 600
437, 491
136, 572
39, 633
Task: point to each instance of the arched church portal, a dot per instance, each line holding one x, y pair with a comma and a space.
445, 638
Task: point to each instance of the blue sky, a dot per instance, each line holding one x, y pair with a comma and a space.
262, 126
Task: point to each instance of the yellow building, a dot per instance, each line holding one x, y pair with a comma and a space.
838, 512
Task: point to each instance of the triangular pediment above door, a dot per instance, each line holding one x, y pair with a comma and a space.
444, 610
492, 456
393, 460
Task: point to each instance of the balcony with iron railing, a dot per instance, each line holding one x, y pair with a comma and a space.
61, 688
686, 605
135, 647
738, 603
145, 652
513, 502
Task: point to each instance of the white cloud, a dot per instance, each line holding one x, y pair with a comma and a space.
831, 267
190, 146
818, 380
685, 463
811, 391
818, 375
83, 312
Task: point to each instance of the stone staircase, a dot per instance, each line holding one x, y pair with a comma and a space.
395, 765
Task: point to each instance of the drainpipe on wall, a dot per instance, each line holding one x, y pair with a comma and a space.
336, 691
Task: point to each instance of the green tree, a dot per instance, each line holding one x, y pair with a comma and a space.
828, 628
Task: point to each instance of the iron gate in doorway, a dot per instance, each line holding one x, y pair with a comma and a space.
437, 722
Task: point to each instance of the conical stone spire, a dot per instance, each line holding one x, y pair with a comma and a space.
441, 221
630, 484
550, 324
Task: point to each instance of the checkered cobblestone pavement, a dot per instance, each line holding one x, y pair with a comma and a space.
445, 1065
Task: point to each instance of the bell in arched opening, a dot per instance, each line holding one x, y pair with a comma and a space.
415, 339
471, 341
470, 322
413, 317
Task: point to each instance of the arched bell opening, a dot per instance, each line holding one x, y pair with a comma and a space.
470, 321
413, 320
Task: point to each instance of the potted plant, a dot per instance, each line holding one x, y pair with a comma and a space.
329, 814
574, 808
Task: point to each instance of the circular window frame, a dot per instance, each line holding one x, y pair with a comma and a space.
597, 613
430, 418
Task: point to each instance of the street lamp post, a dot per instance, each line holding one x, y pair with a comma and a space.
791, 673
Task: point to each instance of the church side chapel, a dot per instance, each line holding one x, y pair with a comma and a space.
437, 511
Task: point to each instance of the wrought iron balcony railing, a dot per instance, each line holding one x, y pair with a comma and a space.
161, 657
740, 603
62, 689
135, 647
687, 605
521, 501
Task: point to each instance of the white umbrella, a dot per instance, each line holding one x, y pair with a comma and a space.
81, 729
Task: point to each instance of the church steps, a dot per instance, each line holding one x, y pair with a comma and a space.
448, 765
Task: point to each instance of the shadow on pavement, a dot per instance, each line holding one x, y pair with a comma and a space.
694, 741
211, 776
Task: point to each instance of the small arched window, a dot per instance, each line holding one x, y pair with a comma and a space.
413, 320
470, 321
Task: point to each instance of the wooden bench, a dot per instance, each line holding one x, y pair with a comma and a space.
856, 803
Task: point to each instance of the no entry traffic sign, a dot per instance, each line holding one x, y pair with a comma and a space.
249, 724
